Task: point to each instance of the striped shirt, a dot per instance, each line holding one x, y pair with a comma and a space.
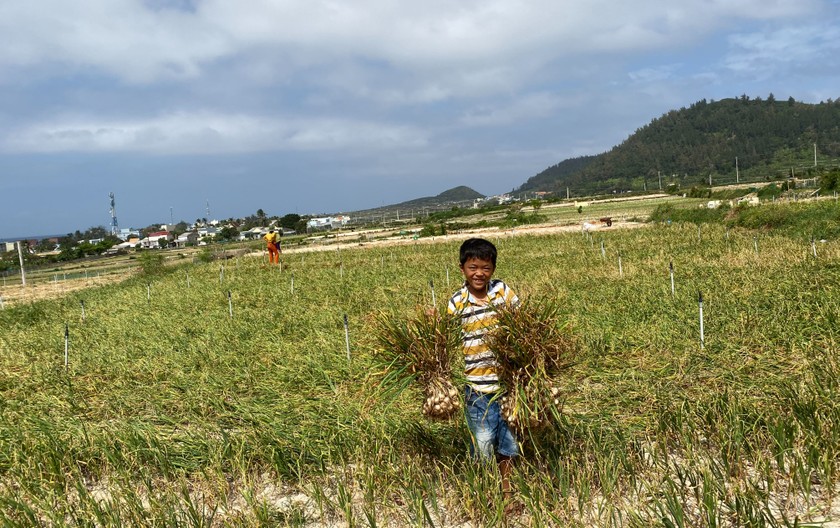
476, 320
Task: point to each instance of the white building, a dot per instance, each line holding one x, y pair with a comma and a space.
327, 222
153, 240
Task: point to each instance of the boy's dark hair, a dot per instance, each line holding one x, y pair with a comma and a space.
478, 248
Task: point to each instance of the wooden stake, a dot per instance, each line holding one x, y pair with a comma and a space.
671, 267
432, 287
702, 335
66, 345
230, 305
347, 336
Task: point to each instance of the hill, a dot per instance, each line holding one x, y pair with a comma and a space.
769, 139
460, 195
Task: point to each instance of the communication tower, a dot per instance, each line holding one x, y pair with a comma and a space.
115, 229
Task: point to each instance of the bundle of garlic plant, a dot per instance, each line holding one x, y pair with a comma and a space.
421, 348
534, 347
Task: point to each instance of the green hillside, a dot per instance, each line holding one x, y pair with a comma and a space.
769, 138
445, 200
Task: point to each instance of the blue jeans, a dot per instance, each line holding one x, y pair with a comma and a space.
489, 432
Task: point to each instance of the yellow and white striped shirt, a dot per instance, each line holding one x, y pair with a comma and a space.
476, 320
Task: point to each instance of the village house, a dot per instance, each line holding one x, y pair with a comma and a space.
185, 239
153, 240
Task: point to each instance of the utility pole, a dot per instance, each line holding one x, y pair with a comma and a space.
815, 154
737, 177
567, 193
710, 179
659, 174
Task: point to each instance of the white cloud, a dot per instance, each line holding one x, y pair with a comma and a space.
772, 53
209, 134
531, 106
473, 39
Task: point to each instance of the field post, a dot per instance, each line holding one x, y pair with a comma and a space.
432, 287
447, 278
82, 302
603, 251
2, 306
66, 345
347, 336
814, 247
293, 284
22, 270
221, 274
755, 244
702, 335
230, 305
671, 267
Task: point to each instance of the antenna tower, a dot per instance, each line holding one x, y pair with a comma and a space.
115, 229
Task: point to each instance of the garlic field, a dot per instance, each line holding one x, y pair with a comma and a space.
232, 393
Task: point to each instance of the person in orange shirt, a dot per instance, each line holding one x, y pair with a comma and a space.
272, 243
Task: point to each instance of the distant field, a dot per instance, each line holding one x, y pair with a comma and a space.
221, 394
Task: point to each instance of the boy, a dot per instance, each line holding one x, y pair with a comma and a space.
475, 304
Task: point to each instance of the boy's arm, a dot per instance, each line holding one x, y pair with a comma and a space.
450, 308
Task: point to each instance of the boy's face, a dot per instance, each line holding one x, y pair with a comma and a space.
477, 272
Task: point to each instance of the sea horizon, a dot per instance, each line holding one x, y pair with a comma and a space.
33, 237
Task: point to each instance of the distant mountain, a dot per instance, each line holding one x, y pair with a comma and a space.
769, 138
461, 193
456, 196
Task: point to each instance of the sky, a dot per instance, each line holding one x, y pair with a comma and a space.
180, 107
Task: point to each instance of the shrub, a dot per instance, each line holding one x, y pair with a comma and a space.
151, 262
205, 255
